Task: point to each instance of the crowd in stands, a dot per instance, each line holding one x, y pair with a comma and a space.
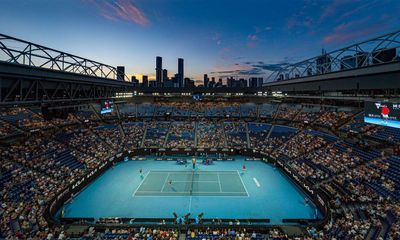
258, 133
32, 173
287, 111
7, 129
299, 145
357, 125
24, 118
181, 134
362, 183
134, 132
112, 134
309, 114
240, 234
156, 134
210, 134
86, 113
235, 133
333, 118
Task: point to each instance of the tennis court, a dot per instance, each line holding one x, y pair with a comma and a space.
219, 190
192, 183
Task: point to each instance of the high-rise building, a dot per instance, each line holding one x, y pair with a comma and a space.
189, 82
205, 80
152, 83
175, 80
159, 71
134, 81
181, 72
165, 75
145, 81
253, 82
231, 82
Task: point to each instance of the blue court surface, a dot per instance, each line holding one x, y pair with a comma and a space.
221, 190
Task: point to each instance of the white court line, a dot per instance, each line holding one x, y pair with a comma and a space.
194, 181
243, 183
197, 196
219, 183
197, 171
140, 184
189, 192
212, 172
190, 204
165, 182
256, 181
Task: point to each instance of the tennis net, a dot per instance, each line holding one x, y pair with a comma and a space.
191, 186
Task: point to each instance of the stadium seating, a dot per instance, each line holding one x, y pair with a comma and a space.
362, 183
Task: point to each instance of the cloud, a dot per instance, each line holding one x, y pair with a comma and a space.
225, 53
217, 38
353, 29
252, 40
341, 37
270, 67
360, 8
248, 69
252, 71
261, 30
121, 10
331, 8
252, 37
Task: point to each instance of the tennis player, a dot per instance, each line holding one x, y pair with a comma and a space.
194, 163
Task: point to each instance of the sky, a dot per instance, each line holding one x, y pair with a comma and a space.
218, 37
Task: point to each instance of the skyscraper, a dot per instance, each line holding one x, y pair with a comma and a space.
205, 80
165, 75
159, 71
181, 72
145, 81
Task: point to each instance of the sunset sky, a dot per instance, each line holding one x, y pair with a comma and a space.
218, 37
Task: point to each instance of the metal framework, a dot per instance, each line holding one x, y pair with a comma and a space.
379, 50
34, 91
17, 51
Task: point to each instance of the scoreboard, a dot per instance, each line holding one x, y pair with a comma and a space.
382, 113
107, 106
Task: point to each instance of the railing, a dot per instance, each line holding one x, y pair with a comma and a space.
379, 50
17, 51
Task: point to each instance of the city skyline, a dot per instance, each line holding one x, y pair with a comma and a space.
218, 38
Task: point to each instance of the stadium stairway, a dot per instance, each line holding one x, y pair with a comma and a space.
195, 133
373, 233
98, 117
270, 131
167, 136
348, 120
247, 135
121, 130
224, 134
117, 110
144, 134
